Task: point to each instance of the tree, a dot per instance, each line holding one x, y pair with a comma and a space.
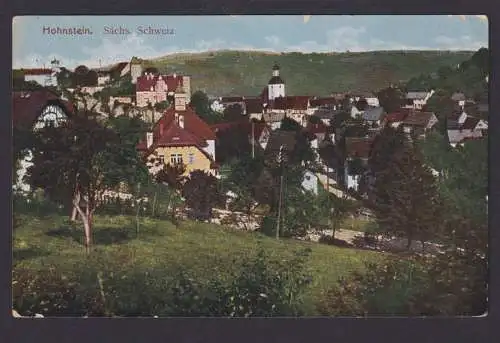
233, 112
339, 119
232, 143
72, 165
405, 197
201, 104
288, 124
201, 193
171, 175
391, 99
384, 146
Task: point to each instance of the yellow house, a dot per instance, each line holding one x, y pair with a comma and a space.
180, 136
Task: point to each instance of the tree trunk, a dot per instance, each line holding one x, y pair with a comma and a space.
74, 213
86, 219
154, 204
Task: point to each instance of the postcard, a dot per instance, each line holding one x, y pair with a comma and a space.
250, 166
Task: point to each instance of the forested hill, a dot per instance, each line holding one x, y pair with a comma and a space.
247, 72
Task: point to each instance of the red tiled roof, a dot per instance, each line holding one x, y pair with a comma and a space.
358, 147
298, 102
193, 126
396, 116
416, 118
27, 106
176, 136
323, 101
37, 71
145, 82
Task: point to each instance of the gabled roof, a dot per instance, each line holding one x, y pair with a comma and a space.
470, 123
27, 106
416, 118
316, 102
358, 147
176, 136
145, 82
298, 102
373, 113
416, 95
396, 117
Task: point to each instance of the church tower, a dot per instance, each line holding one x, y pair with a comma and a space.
276, 85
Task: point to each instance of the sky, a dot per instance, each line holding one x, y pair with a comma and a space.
334, 33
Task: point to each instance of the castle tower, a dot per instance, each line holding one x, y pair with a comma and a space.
135, 69
276, 85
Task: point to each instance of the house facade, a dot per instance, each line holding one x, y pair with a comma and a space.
416, 100
180, 136
152, 88
357, 153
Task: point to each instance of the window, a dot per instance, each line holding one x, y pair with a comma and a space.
161, 158
191, 158
176, 159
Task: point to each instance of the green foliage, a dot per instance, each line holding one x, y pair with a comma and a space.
442, 105
386, 289
263, 287
232, 143
202, 193
201, 105
288, 124
405, 197
391, 99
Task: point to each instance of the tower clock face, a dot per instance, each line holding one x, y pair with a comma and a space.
52, 115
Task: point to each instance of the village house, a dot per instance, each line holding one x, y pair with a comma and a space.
373, 116
466, 128
111, 73
316, 103
417, 100
181, 137
357, 152
153, 88
395, 119
418, 124
35, 110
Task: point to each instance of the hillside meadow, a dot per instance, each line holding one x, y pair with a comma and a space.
221, 73
203, 251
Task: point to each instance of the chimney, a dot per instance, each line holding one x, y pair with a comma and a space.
181, 121
149, 139
180, 101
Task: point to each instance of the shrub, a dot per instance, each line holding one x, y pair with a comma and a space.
263, 287
389, 288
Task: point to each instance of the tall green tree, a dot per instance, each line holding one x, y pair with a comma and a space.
405, 197
391, 99
202, 194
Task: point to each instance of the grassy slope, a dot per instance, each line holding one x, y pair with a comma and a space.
202, 249
247, 72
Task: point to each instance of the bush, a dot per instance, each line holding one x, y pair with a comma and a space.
389, 288
288, 228
263, 287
